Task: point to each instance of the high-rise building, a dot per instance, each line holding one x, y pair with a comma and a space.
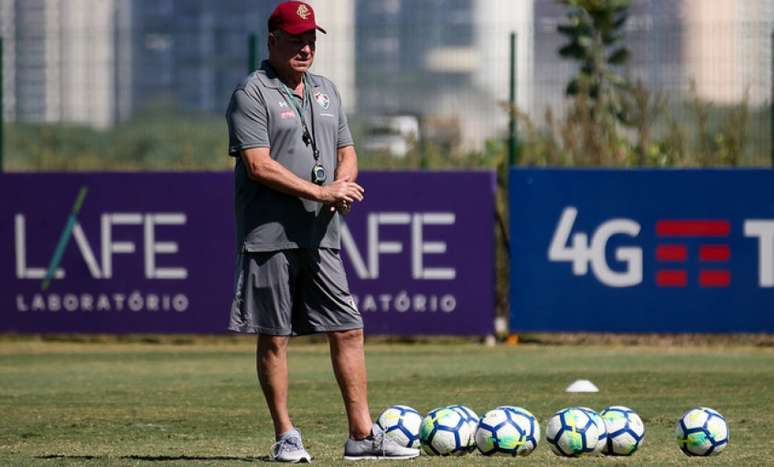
64, 68
336, 58
494, 21
8, 64
95, 62
653, 35
123, 59
191, 54
726, 51
445, 61
723, 46
409, 53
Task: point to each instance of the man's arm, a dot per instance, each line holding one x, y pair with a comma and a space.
346, 167
346, 163
262, 168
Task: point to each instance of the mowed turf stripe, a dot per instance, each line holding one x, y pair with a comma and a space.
140, 404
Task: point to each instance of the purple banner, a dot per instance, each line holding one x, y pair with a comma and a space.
154, 252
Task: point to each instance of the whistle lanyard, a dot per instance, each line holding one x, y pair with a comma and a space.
299, 109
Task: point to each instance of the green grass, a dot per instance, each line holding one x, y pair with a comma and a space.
147, 404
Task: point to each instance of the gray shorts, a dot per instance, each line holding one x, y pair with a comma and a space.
291, 293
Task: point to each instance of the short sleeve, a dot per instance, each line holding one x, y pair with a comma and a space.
344, 136
247, 123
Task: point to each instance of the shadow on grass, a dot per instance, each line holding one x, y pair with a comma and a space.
161, 458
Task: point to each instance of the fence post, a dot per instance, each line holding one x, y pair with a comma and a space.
252, 52
513, 141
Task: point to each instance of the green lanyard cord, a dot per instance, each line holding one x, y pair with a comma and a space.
299, 109
294, 101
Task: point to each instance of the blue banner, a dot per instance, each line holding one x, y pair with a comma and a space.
642, 250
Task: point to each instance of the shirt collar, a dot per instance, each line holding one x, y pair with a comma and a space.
270, 79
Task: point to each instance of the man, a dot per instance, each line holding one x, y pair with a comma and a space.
295, 174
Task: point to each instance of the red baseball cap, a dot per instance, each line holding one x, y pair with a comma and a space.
293, 18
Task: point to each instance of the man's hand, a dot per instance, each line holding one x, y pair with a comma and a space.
343, 207
339, 191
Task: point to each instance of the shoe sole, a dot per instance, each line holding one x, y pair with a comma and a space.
379, 458
302, 460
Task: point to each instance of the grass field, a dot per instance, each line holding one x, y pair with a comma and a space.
69, 403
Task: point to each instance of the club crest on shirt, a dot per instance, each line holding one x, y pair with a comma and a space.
322, 99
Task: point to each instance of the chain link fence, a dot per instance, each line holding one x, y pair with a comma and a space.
144, 84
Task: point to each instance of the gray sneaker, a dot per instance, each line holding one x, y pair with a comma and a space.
290, 448
377, 446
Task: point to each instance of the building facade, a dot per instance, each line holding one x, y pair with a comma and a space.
62, 61
445, 61
8, 64
720, 47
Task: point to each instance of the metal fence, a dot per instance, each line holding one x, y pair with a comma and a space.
143, 84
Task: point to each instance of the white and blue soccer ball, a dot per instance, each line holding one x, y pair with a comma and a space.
597, 419
445, 432
507, 431
571, 432
625, 430
471, 418
702, 432
401, 424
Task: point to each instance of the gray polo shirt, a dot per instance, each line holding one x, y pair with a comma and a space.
259, 115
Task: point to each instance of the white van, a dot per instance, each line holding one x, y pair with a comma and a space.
395, 135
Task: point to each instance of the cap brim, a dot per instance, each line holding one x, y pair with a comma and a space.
302, 29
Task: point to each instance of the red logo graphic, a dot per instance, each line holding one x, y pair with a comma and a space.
673, 253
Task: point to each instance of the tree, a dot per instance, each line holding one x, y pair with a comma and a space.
595, 31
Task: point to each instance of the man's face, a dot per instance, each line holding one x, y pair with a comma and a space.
296, 52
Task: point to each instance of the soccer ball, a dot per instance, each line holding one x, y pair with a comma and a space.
445, 432
702, 432
471, 418
597, 419
401, 423
507, 431
572, 432
625, 431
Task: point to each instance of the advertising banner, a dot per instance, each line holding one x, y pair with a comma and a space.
154, 252
642, 250
420, 253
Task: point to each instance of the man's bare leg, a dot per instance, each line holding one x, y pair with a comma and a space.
348, 358
272, 368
